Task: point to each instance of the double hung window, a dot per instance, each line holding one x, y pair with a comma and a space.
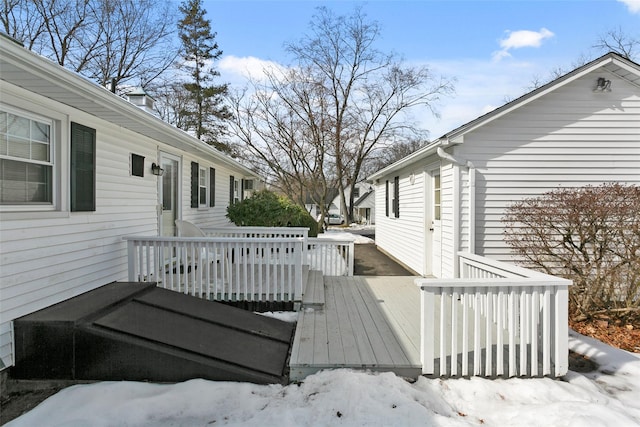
26, 159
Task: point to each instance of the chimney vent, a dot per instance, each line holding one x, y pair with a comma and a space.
142, 99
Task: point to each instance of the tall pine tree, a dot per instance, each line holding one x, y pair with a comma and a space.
206, 112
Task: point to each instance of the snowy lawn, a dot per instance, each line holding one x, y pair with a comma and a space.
609, 396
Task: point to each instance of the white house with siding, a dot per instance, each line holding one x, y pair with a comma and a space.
450, 196
80, 169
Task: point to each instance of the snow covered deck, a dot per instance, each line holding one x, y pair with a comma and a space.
367, 323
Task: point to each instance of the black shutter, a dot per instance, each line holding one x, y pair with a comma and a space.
83, 168
396, 196
386, 198
212, 187
242, 190
195, 168
231, 181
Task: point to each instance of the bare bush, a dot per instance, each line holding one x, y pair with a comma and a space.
590, 235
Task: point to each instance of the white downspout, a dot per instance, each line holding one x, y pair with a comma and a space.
472, 206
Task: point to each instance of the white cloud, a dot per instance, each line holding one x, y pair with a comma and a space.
520, 39
525, 38
632, 5
236, 69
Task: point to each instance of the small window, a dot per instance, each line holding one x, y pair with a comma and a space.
233, 190
356, 192
436, 197
203, 187
83, 168
26, 160
203, 184
395, 205
137, 165
236, 193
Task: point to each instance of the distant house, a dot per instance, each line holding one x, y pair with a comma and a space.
364, 206
79, 169
363, 203
450, 196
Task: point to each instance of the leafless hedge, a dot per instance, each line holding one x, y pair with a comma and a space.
590, 235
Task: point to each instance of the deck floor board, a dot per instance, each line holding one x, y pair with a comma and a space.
357, 328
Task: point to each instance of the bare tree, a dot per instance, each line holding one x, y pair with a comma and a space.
22, 21
390, 153
620, 42
283, 138
106, 40
590, 235
172, 101
133, 42
344, 97
615, 40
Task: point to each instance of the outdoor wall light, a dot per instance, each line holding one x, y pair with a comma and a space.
603, 85
156, 169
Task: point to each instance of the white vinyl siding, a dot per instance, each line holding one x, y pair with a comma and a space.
402, 237
572, 137
447, 195
465, 217
569, 137
48, 257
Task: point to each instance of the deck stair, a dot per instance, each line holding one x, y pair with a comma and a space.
137, 331
314, 293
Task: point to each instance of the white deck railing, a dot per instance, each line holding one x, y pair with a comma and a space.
257, 232
497, 320
220, 268
334, 257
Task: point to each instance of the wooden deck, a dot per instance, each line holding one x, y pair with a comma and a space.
366, 323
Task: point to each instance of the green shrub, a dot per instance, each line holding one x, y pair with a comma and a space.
266, 209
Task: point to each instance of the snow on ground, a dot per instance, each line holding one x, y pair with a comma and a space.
346, 233
609, 396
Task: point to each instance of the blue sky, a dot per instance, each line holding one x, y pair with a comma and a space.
493, 48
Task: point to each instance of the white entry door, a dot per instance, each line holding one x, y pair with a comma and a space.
169, 190
436, 227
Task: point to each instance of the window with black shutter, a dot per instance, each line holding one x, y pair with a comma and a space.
386, 198
83, 168
195, 170
232, 181
212, 187
396, 196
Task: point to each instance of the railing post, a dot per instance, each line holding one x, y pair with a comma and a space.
131, 259
427, 337
561, 332
350, 261
297, 301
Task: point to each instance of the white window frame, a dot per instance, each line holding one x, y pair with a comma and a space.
203, 185
236, 192
52, 162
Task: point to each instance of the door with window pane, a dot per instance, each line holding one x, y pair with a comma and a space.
436, 227
169, 194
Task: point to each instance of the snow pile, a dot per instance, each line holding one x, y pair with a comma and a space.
607, 397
